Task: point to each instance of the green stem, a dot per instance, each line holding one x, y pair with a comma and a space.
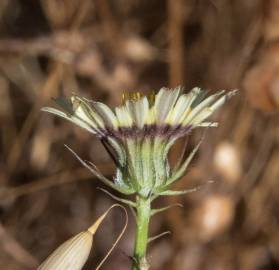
143, 218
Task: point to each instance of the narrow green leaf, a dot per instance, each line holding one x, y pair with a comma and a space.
98, 174
178, 192
150, 239
159, 210
125, 201
178, 173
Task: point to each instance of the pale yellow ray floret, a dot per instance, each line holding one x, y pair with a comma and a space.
167, 107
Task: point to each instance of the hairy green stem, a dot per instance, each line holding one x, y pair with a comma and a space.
143, 218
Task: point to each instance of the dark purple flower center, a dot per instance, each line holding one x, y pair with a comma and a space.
153, 130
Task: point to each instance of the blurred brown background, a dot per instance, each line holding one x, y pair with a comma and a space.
100, 48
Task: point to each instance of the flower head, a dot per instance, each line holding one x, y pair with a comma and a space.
139, 133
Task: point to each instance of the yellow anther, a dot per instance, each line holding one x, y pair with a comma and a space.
136, 96
151, 98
